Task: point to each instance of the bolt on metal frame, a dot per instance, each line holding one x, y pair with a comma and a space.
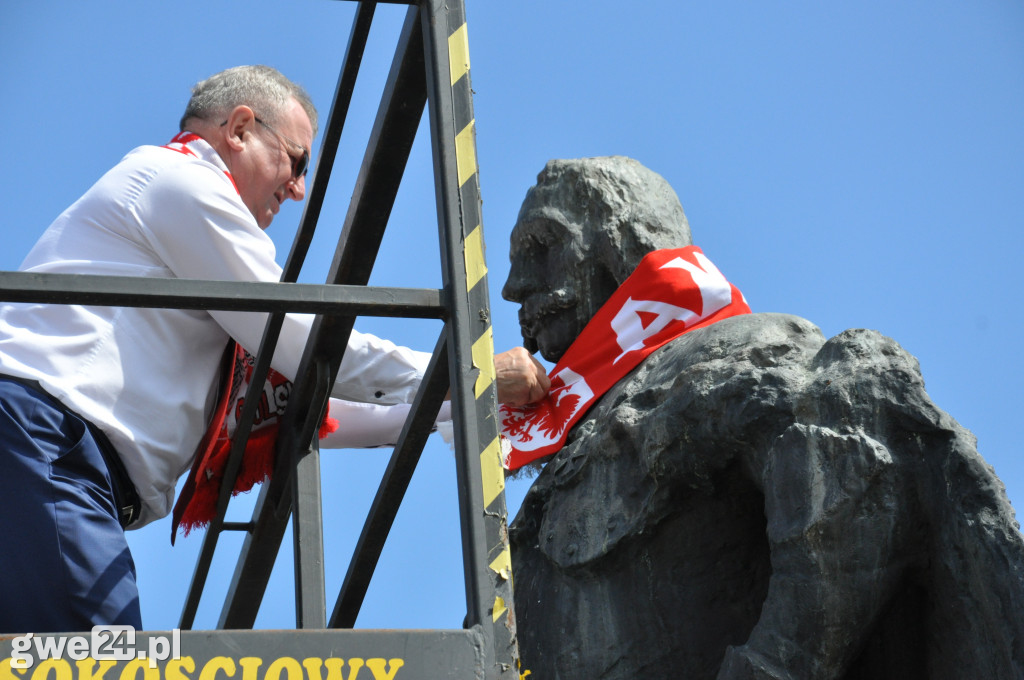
430, 70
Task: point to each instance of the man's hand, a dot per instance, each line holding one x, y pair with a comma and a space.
521, 378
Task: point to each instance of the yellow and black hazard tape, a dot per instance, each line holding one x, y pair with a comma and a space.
492, 472
473, 244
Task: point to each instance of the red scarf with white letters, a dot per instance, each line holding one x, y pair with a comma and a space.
197, 502
671, 292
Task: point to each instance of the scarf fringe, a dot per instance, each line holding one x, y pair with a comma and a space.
257, 463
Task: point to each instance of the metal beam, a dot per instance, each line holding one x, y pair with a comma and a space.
308, 542
300, 246
485, 549
321, 175
373, 198
391, 491
240, 296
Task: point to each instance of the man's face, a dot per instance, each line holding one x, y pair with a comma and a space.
265, 179
547, 276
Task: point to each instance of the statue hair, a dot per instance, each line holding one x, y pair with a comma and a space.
624, 209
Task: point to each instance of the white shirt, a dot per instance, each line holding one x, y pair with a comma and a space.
148, 377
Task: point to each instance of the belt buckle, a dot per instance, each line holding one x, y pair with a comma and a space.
127, 515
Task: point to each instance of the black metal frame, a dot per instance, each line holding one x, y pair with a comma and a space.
422, 75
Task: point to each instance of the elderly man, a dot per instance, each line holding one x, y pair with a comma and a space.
102, 408
749, 501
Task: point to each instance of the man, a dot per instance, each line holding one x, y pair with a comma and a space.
750, 501
99, 405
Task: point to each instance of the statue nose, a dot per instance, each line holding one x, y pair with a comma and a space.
516, 288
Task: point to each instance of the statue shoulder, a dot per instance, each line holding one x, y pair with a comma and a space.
761, 339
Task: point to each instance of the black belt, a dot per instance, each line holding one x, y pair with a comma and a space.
126, 498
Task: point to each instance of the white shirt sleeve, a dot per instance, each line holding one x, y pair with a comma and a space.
370, 425
212, 235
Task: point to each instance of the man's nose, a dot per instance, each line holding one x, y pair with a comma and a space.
297, 188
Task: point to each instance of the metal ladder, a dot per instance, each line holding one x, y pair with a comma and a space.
430, 70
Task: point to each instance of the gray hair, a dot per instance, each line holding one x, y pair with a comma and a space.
263, 89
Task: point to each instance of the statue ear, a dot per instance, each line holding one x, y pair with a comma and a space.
612, 263
602, 285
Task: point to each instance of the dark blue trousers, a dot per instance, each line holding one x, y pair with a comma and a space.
64, 561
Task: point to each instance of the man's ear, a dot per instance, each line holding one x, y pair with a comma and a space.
240, 121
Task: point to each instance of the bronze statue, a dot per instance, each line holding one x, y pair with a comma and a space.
753, 500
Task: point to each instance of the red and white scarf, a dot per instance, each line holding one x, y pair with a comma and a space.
671, 292
197, 502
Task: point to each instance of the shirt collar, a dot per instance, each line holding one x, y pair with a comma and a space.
191, 144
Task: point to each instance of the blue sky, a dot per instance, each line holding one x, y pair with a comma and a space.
857, 164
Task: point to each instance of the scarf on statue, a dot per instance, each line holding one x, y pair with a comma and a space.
671, 292
197, 502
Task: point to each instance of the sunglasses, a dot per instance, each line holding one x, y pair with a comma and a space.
300, 165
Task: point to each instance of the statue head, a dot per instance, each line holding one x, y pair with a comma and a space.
581, 231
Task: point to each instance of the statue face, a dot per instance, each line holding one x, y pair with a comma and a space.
581, 230
548, 279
